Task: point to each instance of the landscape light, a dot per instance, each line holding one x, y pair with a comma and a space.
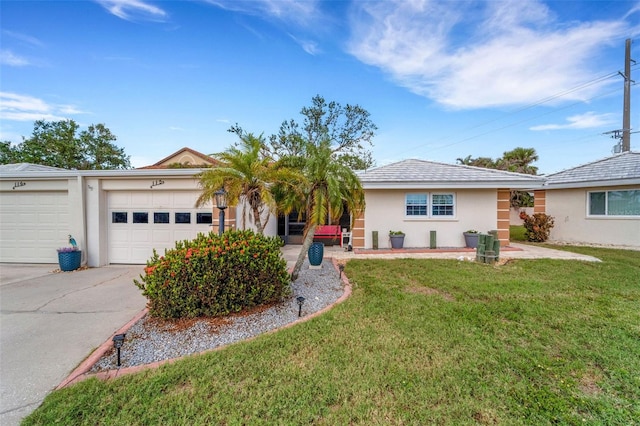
341, 267
118, 341
300, 300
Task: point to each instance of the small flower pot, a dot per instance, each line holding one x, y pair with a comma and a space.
316, 253
70, 260
471, 239
397, 241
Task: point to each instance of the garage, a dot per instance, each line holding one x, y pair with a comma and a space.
33, 224
139, 221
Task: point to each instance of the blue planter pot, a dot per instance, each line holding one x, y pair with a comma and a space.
316, 252
69, 261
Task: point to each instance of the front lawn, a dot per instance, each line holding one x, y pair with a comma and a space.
418, 342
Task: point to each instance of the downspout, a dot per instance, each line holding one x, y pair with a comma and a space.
83, 221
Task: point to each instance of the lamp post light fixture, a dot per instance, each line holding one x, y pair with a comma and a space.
221, 203
118, 340
300, 300
341, 268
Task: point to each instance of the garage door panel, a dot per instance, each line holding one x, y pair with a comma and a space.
161, 236
142, 238
32, 226
161, 199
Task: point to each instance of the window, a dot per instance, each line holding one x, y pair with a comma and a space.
614, 203
118, 217
416, 204
442, 205
161, 217
206, 218
183, 218
140, 217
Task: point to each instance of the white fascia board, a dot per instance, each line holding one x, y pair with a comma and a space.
453, 185
592, 184
122, 174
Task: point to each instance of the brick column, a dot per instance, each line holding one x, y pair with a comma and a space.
540, 201
357, 232
504, 211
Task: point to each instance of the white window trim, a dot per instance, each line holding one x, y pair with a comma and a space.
430, 215
606, 214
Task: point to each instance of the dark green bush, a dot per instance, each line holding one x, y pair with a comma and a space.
213, 275
537, 226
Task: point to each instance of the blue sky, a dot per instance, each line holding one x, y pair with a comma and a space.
441, 79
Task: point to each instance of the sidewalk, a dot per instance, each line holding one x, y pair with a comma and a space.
513, 251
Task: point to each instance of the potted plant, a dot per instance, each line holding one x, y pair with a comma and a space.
397, 239
69, 258
471, 238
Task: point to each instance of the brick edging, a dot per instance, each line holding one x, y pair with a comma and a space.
82, 371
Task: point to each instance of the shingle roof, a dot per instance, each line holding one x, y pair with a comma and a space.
27, 167
620, 169
415, 173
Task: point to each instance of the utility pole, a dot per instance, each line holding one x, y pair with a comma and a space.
626, 113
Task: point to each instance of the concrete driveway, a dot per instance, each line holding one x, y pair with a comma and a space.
49, 323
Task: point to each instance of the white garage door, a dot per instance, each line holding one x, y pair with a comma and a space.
139, 221
32, 226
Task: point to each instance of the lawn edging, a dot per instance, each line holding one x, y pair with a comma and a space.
82, 371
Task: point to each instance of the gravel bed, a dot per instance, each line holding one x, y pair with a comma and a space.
150, 340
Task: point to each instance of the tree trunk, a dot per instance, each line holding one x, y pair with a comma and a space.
257, 220
306, 243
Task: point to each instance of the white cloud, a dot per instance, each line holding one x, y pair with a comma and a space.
292, 11
479, 54
7, 57
134, 10
30, 40
587, 120
16, 107
308, 46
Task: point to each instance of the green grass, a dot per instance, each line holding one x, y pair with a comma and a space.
418, 342
517, 233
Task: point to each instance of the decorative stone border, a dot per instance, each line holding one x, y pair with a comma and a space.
82, 371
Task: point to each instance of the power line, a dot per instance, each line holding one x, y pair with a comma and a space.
524, 108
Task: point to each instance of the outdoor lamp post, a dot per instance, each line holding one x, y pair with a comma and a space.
300, 300
341, 268
221, 203
118, 340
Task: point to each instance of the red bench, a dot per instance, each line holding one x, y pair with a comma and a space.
328, 234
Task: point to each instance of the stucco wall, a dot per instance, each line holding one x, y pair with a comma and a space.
569, 209
385, 211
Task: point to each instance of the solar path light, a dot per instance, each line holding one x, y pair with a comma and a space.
118, 340
300, 300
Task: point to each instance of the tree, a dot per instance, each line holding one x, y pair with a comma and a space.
59, 144
331, 140
246, 173
349, 130
517, 160
8, 154
325, 186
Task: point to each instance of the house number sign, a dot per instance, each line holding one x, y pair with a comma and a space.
156, 183
19, 184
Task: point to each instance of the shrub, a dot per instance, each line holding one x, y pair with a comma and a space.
215, 275
537, 226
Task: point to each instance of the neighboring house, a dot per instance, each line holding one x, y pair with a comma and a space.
417, 197
184, 158
596, 203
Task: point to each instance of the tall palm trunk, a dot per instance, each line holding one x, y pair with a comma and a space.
306, 243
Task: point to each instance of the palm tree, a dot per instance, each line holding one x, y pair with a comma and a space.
247, 174
519, 160
324, 186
